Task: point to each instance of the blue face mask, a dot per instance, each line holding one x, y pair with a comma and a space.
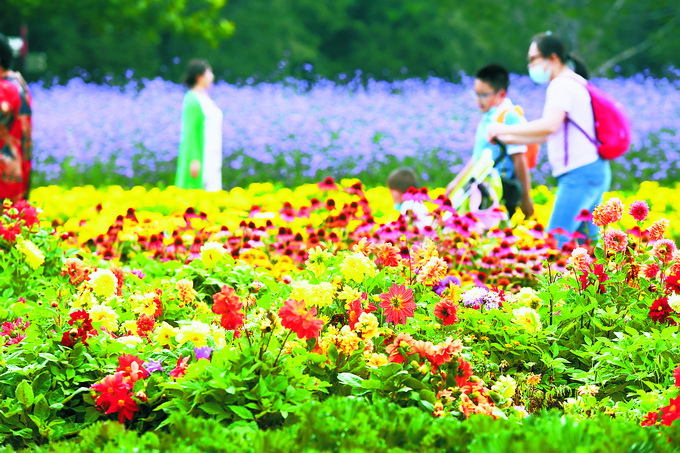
540, 74
397, 206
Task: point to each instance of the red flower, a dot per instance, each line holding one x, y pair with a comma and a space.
181, 367
125, 406
400, 348
650, 419
584, 216
388, 255
133, 367
671, 412
228, 305
446, 310
82, 329
356, 308
398, 304
111, 388
464, 372
660, 310
676, 375
120, 279
297, 318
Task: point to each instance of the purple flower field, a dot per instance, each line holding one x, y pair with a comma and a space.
289, 132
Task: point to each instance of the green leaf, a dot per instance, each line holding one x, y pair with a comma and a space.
41, 409
241, 412
212, 408
350, 379
24, 393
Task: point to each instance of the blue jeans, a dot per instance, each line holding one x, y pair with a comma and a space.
578, 189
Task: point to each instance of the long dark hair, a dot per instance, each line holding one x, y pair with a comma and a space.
195, 69
549, 44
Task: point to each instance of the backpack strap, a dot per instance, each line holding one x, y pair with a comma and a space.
568, 120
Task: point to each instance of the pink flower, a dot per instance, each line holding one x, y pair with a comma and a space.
658, 229
615, 240
580, 259
639, 210
664, 249
608, 212
584, 216
650, 270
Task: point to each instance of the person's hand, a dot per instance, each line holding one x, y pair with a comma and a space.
12, 168
195, 168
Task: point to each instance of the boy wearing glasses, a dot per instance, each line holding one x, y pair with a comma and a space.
490, 90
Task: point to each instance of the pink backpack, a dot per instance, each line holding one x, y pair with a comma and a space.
612, 126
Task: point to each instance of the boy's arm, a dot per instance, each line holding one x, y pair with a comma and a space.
522, 172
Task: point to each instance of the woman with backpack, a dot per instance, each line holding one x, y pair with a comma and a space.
582, 175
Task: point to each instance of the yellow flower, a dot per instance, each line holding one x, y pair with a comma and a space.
165, 333
185, 291
528, 297
143, 304
528, 318
105, 316
103, 283
367, 325
211, 253
130, 326
505, 386
197, 332
357, 266
320, 295
84, 300
34, 256
131, 341
377, 360
348, 340
349, 295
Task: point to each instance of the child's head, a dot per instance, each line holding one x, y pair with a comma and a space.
491, 86
399, 182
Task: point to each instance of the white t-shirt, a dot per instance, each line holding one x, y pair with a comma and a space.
568, 93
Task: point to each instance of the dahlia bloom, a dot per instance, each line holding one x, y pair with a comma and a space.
227, 304
615, 240
639, 210
657, 230
398, 304
296, 317
608, 212
446, 310
34, 256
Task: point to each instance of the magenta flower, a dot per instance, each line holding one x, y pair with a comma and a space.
639, 210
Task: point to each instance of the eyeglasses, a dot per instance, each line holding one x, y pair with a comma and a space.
483, 95
532, 58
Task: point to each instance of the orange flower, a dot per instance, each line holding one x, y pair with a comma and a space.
658, 229
228, 305
297, 318
446, 310
608, 212
399, 348
388, 255
398, 304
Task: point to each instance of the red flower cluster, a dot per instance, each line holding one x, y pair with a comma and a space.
404, 346
81, 329
598, 276
116, 390
76, 270
295, 316
14, 216
668, 415
228, 305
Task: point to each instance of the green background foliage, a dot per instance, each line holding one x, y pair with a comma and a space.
385, 39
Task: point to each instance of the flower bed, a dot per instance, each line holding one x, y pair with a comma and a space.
251, 308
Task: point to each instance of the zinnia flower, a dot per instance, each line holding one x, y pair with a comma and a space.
297, 318
639, 210
608, 212
398, 304
659, 311
446, 310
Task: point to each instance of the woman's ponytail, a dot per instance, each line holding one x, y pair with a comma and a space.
577, 64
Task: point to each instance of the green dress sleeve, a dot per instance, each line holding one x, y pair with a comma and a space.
191, 143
